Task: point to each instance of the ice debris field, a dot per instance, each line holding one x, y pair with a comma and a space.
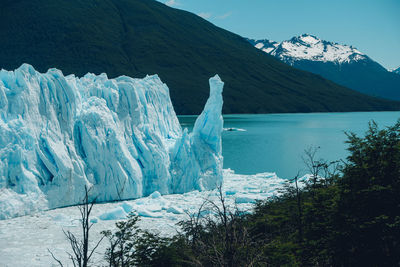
121, 138
32, 235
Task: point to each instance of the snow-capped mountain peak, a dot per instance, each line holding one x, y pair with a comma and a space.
307, 39
310, 47
342, 64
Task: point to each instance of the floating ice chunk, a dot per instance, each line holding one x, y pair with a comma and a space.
232, 129
155, 195
60, 218
145, 213
244, 200
140, 201
230, 192
154, 207
127, 207
115, 214
175, 210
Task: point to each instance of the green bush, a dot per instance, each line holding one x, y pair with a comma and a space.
348, 218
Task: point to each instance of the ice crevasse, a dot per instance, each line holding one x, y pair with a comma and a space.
120, 137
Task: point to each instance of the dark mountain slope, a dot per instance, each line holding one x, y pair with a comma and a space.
366, 76
139, 37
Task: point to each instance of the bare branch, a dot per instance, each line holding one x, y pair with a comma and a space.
57, 260
95, 247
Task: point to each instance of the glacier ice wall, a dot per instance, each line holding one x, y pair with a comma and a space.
200, 152
120, 137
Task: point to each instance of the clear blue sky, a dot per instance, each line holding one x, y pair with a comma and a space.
373, 26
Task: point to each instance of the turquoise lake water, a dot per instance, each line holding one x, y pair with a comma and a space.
276, 142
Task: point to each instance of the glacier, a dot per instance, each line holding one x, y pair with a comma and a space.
120, 137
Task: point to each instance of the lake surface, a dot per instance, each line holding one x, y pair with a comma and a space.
276, 142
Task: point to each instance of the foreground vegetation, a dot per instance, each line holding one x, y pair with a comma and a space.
349, 218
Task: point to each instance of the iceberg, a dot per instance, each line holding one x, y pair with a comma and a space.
120, 137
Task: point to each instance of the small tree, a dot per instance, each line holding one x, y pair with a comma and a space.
122, 242
322, 171
130, 246
219, 236
299, 208
80, 247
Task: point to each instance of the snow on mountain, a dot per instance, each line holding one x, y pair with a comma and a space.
396, 70
342, 64
266, 45
309, 47
119, 136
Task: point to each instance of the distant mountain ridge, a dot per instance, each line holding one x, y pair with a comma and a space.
309, 47
140, 37
342, 64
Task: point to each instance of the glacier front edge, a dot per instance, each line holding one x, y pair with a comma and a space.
120, 137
